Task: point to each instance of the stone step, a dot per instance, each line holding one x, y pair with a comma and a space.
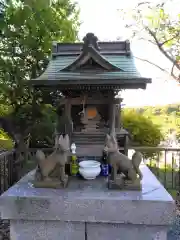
92, 138
86, 134
85, 139
88, 139
89, 150
100, 133
90, 129
88, 143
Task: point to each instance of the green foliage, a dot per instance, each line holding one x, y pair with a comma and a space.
26, 34
43, 130
3, 135
27, 30
167, 117
6, 142
178, 132
38, 129
142, 129
5, 110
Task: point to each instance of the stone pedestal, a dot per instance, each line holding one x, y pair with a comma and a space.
88, 210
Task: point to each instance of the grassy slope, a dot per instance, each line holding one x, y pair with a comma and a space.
167, 178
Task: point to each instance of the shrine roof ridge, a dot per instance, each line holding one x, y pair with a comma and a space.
115, 47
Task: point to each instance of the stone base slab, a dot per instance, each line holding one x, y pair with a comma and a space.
87, 209
56, 230
46, 230
125, 232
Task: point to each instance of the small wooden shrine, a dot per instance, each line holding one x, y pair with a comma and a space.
89, 75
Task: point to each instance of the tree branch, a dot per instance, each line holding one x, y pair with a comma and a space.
148, 40
171, 74
155, 65
161, 44
172, 69
142, 3
161, 48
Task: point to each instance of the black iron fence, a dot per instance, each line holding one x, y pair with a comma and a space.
163, 162
6, 169
14, 165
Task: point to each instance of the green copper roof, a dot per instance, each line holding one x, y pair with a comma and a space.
115, 59
58, 63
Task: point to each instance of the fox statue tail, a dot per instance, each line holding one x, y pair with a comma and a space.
136, 160
40, 155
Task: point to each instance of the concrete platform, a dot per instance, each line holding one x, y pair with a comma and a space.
87, 210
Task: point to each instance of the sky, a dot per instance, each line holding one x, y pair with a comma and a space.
102, 18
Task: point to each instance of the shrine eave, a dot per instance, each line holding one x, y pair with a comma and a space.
95, 84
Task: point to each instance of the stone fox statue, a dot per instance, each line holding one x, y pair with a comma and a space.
119, 161
52, 167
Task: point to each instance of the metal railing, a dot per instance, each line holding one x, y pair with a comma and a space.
14, 165
163, 162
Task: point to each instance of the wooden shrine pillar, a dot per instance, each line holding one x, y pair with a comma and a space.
112, 118
69, 123
118, 123
112, 113
68, 108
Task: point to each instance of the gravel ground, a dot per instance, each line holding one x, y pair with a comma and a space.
4, 230
174, 232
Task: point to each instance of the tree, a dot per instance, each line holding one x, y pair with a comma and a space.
43, 131
6, 142
168, 118
26, 35
155, 24
144, 132
27, 29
